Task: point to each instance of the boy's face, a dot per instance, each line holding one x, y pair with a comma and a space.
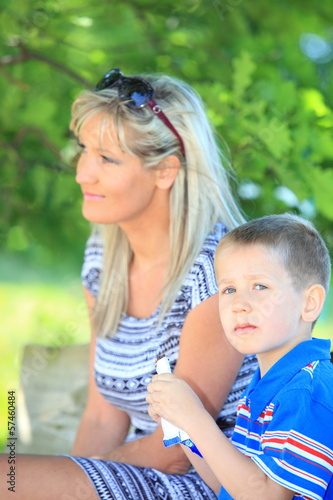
260, 310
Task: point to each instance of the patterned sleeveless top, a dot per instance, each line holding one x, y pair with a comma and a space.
125, 363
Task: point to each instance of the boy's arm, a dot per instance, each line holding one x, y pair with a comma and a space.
237, 473
202, 468
171, 398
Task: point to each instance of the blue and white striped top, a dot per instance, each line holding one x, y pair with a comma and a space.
125, 363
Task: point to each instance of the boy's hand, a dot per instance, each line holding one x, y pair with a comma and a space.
171, 398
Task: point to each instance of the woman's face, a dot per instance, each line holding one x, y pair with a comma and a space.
116, 187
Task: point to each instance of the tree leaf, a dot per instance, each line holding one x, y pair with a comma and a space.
243, 67
322, 187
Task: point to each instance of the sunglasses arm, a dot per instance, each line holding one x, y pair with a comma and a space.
159, 113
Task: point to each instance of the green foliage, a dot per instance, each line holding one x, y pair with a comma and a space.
267, 85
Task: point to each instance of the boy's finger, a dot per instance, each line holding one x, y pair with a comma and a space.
154, 386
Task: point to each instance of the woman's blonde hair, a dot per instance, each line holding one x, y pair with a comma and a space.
200, 196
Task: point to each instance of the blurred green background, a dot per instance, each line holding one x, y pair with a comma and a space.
264, 70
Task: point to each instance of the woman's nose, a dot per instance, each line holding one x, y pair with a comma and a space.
85, 170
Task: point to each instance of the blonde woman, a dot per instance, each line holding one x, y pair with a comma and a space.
155, 188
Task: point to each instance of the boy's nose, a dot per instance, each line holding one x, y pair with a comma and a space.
241, 303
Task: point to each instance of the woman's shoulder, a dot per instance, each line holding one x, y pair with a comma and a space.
92, 262
214, 237
201, 277
207, 253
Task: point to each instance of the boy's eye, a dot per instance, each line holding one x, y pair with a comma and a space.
258, 286
228, 290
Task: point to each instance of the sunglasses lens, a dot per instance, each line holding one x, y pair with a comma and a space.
109, 79
136, 92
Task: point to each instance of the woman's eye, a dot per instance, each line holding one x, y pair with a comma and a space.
107, 159
258, 286
228, 290
81, 147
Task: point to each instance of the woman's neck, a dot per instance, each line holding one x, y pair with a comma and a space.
150, 246
149, 235
150, 243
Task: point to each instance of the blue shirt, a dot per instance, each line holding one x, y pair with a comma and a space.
285, 422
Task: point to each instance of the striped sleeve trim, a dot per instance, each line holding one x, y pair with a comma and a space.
297, 462
310, 368
299, 446
269, 467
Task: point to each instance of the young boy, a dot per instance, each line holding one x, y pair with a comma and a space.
273, 274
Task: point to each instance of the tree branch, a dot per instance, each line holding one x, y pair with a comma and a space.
60, 67
14, 81
7, 60
27, 55
21, 134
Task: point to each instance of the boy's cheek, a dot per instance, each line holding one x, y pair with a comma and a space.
222, 311
225, 317
228, 330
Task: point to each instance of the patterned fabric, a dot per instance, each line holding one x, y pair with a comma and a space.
283, 421
118, 481
125, 364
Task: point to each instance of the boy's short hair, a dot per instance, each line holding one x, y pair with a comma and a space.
294, 240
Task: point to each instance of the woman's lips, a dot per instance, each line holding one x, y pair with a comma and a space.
92, 196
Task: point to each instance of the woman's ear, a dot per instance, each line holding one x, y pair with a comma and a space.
314, 301
167, 171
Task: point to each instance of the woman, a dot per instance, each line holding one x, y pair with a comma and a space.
158, 195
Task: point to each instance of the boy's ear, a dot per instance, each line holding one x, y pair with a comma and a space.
167, 171
314, 301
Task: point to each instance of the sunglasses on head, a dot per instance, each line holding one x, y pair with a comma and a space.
136, 93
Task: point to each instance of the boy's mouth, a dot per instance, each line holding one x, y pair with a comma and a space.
244, 328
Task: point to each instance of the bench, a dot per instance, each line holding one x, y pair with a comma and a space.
51, 397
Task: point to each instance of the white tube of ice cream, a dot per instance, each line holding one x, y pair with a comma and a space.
172, 434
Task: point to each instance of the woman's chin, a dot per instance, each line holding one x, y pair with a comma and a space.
93, 217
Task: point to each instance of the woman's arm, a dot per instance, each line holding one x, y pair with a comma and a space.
103, 427
210, 365
103, 430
